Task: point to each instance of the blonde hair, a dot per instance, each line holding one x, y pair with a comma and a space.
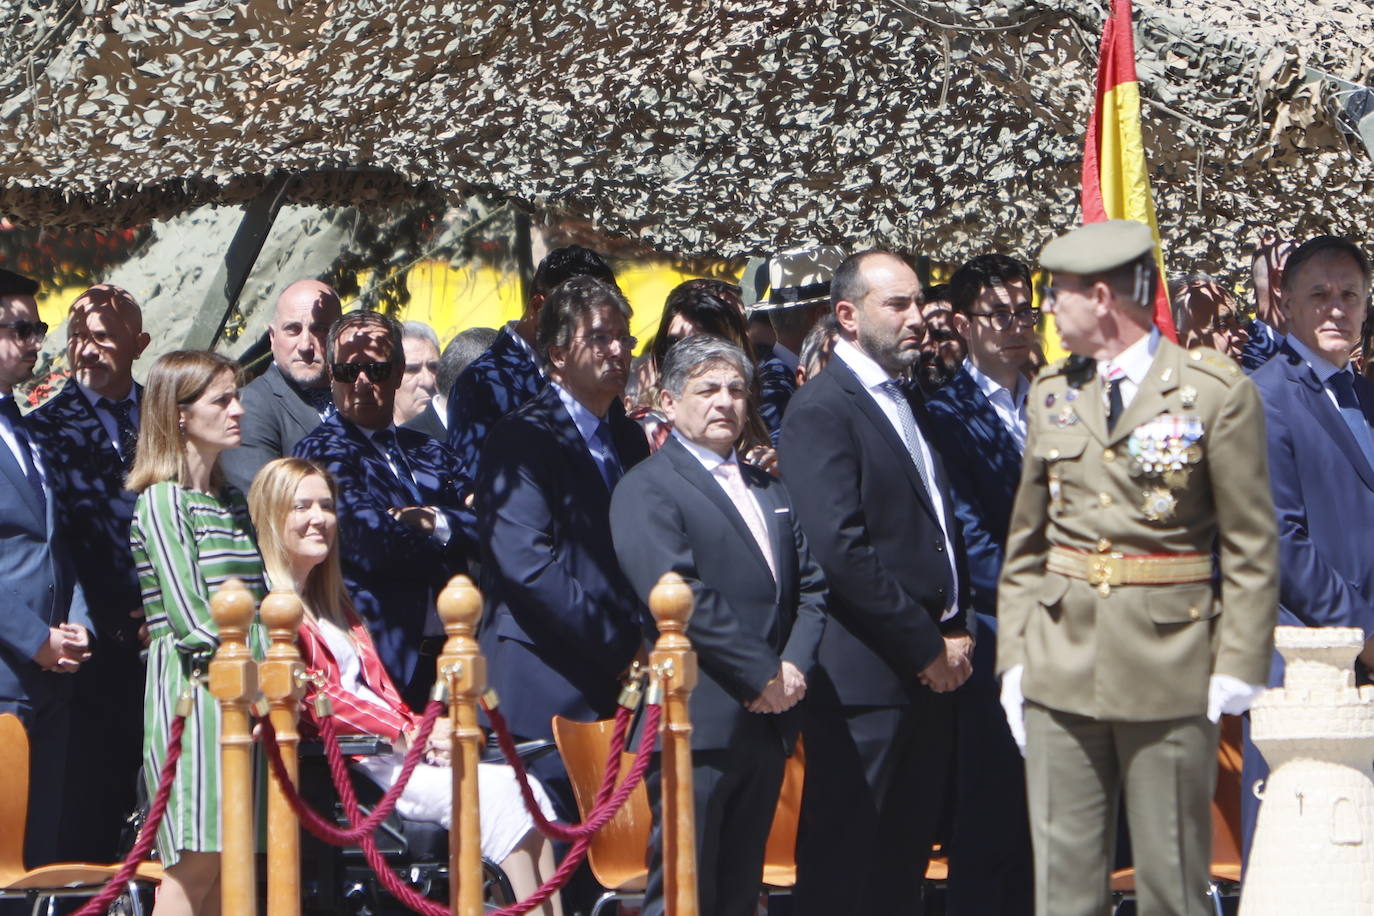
178, 379
270, 499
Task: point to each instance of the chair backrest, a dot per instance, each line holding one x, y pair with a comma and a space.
1226, 800
780, 855
14, 800
619, 852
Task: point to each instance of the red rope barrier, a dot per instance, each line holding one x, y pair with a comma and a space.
410, 898
322, 828
148, 833
557, 830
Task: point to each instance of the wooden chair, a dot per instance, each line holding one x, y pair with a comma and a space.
780, 855
1224, 870
65, 879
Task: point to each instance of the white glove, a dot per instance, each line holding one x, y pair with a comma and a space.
1014, 705
1225, 694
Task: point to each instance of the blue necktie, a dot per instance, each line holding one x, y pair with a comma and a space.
1343, 384
123, 412
606, 458
387, 439
9, 408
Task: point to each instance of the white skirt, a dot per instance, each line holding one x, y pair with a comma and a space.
428, 797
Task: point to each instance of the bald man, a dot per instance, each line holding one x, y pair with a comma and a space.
291, 398
87, 433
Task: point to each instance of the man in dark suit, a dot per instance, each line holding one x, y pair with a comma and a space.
511, 373
86, 434
758, 612
465, 347
403, 530
562, 621
1317, 414
292, 396
978, 425
871, 496
45, 628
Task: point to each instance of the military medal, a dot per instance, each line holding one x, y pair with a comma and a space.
1066, 417
1188, 395
1049, 399
1159, 504
1163, 451
1072, 395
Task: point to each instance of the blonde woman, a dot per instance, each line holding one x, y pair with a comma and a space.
293, 506
190, 533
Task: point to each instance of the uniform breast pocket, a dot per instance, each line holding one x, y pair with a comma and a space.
1060, 455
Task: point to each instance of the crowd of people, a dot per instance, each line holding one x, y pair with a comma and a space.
988, 595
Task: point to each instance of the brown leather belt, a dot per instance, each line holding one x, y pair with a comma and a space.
1111, 569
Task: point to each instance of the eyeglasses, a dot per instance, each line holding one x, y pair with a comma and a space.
1002, 318
604, 341
26, 330
348, 372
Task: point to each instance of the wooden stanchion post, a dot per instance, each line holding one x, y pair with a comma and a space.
675, 665
234, 682
462, 667
283, 683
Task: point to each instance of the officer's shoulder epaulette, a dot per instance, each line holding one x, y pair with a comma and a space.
1214, 363
1052, 369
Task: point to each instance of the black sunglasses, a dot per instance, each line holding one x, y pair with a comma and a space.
26, 329
348, 372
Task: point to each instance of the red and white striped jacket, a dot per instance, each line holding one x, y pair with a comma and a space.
354, 714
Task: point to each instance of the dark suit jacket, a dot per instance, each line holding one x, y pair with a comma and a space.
777, 384
38, 586
427, 421
875, 533
275, 418
86, 478
562, 620
670, 514
495, 383
1323, 493
1261, 346
983, 467
392, 571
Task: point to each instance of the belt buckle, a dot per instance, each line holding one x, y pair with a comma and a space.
1104, 571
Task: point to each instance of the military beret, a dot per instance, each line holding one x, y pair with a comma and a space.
1097, 247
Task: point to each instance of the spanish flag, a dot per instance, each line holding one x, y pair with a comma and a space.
1116, 180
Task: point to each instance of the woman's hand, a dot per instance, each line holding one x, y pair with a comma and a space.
439, 751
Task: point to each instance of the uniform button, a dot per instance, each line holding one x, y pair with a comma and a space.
939, 547
1109, 455
1104, 499
1053, 453
1195, 356
1103, 545
1193, 613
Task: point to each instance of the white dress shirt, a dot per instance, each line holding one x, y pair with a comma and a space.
107, 417
1135, 361
873, 376
1009, 404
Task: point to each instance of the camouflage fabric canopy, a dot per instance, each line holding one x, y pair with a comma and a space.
701, 126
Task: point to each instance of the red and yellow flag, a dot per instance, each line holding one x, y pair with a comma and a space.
1116, 179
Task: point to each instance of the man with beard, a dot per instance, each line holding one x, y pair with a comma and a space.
872, 499
942, 349
87, 433
291, 398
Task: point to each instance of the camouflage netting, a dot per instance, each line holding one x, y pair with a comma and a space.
699, 126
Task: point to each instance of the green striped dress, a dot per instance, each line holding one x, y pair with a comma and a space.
186, 544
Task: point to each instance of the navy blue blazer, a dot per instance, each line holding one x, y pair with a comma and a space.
1323, 495
983, 466
874, 530
38, 586
562, 621
495, 383
777, 383
94, 511
392, 571
670, 514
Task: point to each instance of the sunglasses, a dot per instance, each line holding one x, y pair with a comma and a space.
26, 329
348, 372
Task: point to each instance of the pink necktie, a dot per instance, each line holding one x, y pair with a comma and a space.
729, 475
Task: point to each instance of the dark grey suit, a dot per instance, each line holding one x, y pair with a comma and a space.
276, 416
427, 421
669, 513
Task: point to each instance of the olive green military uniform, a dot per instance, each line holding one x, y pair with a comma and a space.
1114, 602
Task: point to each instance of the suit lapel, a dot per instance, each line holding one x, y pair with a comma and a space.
985, 415
14, 472
1150, 397
875, 416
1312, 394
300, 412
686, 464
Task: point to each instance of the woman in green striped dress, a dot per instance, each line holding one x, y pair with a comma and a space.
190, 534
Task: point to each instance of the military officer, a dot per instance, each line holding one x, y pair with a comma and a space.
1124, 636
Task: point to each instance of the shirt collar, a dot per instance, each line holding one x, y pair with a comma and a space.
1320, 364
371, 434
861, 364
709, 459
1136, 359
93, 397
585, 421
786, 357
521, 342
989, 387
